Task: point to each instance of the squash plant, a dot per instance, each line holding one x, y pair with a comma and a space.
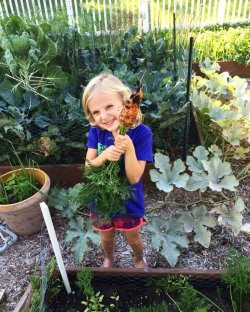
207, 170
223, 106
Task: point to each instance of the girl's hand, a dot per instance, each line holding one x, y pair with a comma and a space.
123, 142
112, 153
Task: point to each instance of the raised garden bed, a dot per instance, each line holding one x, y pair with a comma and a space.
128, 282
233, 68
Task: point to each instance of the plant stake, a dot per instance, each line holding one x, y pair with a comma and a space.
55, 245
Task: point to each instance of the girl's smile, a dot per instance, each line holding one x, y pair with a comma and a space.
105, 109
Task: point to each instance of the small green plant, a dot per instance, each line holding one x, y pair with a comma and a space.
53, 286
94, 300
237, 277
150, 308
20, 184
84, 279
184, 296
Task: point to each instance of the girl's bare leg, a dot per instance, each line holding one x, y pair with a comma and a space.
135, 241
107, 243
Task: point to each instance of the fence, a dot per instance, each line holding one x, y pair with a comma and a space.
106, 15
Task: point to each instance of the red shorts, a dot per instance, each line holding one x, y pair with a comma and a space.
122, 223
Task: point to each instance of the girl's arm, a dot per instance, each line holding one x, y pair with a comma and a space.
134, 168
111, 153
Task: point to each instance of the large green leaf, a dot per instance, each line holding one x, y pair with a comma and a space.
198, 220
82, 237
168, 174
13, 24
219, 174
167, 235
56, 75
195, 163
197, 181
10, 94
231, 216
11, 62
48, 50
10, 126
61, 199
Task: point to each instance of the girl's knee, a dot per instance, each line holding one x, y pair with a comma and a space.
133, 237
108, 235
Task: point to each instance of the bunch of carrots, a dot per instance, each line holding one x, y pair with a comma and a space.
106, 188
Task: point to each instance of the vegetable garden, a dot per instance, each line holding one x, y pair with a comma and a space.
197, 192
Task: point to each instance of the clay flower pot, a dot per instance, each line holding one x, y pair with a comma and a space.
25, 217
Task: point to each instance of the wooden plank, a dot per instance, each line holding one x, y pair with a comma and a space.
6, 8
197, 10
28, 9
40, 9
203, 12
51, 10
221, 11
214, 11
239, 9
209, 12
25, 300
228, 10
11, 7
110, 16
99, 15
186, 19
234, 9
169, 17
163, 25
134, 11
46, 10
245, 9
1, 11
157, 20
150, 272
77, 15
22, 7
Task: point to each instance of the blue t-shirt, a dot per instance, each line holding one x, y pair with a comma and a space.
142, 139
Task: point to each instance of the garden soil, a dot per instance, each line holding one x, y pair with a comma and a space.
23, 258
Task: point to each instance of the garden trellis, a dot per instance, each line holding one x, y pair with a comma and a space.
107, 15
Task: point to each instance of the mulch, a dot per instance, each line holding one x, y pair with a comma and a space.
23, 258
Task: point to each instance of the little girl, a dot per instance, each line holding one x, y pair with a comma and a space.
103, 100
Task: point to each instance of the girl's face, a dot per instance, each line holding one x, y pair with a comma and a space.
105, 109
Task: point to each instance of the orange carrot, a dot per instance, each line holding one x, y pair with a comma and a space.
131, 108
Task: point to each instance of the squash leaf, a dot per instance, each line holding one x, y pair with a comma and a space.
198, 221
168, 175
167, 235
219, 174
61, 199
82, 234
231, 216
194, 162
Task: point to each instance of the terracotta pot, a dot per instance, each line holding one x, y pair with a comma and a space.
25, 217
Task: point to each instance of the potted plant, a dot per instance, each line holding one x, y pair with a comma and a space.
21, 191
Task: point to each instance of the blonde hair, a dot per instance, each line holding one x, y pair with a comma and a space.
110, 84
